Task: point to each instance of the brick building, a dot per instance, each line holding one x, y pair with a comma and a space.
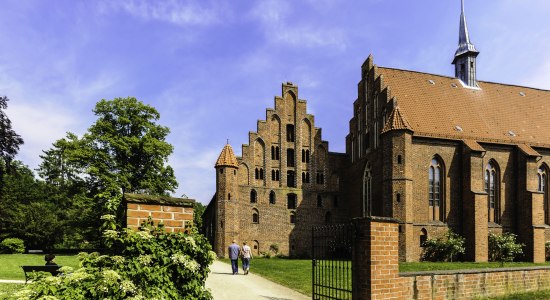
434, 152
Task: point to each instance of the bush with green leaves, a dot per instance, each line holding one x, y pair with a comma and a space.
547, 248
443, 248
145, 264
12, 245
503, 247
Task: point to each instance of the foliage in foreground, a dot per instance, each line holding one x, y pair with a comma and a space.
12, 245
444, 248
149, 264
503, 247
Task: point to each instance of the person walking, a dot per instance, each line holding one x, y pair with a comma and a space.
246, 255
234, 251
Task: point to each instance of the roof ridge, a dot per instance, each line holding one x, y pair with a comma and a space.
452, 77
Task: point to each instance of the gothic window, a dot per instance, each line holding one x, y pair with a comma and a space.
292, 218
261, 173
272, 197
492, 188
290, 180
277, 175
435, 192
277, 153
423, 237
367, 192
253, 196
290, 133
303, 177
543, 187
229, 196
320, 179
255, 216
366, 142
273, 175
303, 155
307, 177
307, 156
319, 201
328, 218
290, 157
291, 201
257, 173
384, 117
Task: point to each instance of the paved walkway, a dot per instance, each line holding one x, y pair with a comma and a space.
11, 281
225, 285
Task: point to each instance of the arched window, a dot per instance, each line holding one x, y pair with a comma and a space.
303, 155
291, 201
543, 187
272, 197
261, 173
307, 156
272, 175
277, 153
303, 177
423, 237
255, 216
328, 218
277, 175
273, 152
256, 173
253, 196
307, 177
290, 157
367, 192
256, 247
319, 201
492, 180
229, 196
292, 218
436, 201
290, 176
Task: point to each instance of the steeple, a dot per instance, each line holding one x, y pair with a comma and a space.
465, 55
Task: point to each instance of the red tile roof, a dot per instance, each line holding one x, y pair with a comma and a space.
227, 158
396, 121
494, 113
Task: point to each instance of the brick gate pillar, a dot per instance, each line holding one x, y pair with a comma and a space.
376, 259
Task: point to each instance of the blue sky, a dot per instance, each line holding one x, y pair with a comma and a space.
211, 68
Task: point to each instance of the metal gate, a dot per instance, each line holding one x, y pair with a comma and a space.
331, 261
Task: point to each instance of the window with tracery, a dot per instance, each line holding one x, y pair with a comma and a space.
435, 198
492, 188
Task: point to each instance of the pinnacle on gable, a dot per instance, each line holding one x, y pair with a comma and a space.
227, 158
396, 121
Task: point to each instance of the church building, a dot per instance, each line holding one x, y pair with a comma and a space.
434, 152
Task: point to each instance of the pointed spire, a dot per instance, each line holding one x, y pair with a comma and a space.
464, 44
465, 56
227, 157
396, 121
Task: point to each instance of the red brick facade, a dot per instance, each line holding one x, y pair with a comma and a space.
376, 272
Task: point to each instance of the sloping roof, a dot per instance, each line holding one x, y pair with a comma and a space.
396, 121
227, 158
162, 200
440, 106
473, 145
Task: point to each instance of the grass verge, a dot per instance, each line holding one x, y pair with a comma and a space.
292, 273
440, 266
539, 295
11, 263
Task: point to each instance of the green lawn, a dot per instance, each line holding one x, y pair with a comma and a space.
435, 266
11, 263
6, 289
541, 295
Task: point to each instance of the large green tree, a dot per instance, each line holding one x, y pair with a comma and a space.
9, 141
127, 147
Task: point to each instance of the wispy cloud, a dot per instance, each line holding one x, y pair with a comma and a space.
282, 27
172, 11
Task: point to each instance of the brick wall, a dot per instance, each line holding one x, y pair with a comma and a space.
376, 271
174, 217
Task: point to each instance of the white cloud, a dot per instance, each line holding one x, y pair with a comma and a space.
283, 28
176, 12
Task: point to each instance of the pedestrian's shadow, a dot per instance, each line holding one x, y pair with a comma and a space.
222, 273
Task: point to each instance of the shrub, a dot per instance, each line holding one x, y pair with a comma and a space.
12, 245
444, 248
503, 247
274, 248
547, 248
145, 264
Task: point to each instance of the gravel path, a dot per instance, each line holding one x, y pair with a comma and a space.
225, 285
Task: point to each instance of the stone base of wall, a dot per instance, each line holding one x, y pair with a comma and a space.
470, 284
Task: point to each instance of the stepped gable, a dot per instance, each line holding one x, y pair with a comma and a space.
441, 106
227, 158
396, 121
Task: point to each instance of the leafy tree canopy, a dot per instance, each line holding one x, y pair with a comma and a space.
9, 141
